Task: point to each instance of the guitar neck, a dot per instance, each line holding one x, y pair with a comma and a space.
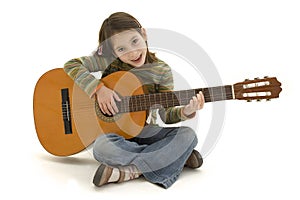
170, 99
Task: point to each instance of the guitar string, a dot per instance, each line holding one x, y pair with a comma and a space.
168, 95
125, 107
144, 103
146, 97
141, 97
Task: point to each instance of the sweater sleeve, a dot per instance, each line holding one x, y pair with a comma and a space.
79, 69
173, 114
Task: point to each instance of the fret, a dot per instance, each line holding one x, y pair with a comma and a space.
139, 99
127, 104
145, 105
137, 103
156, 99
229, 92
184, 97
152, 99
179, 95
149, 97
164, 100
160, 99
172, 97
132, 105
211, 92
223, 92
120, 106
172, 94
140, 102
167, 100
191, 94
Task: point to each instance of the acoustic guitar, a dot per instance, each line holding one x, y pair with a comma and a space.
67, 120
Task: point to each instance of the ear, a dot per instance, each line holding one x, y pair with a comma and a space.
144, 34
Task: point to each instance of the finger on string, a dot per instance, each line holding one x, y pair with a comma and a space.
102, 108
116, 96
202, 97
199, 97
114, 106
110, 109
199, 102
195, 100
190, 104
106, 109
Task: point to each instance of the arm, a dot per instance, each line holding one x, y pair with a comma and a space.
79, 69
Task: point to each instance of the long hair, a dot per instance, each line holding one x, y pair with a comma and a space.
116, 23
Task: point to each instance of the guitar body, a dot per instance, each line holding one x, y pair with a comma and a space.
67, 120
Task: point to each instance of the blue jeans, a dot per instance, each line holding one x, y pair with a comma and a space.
158, 152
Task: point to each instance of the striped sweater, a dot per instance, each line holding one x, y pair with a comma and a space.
156, 77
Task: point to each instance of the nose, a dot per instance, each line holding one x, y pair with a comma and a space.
133, 54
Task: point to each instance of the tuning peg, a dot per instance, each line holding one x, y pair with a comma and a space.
249, 100
247, 79
266, 77
268, 99
258, 100
256, 78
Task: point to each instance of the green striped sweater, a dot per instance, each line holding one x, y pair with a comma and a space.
156, 77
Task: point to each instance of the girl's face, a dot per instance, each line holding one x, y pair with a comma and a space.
130, 47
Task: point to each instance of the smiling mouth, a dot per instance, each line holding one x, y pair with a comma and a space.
137, 59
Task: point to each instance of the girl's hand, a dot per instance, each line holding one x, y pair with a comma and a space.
106, 100
196, 103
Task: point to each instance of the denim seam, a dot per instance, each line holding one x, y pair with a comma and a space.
152, 176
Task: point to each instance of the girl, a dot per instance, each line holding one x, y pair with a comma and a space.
157, 153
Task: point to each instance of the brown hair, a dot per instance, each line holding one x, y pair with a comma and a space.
116, 23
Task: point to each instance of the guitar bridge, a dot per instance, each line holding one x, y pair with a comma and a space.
66, 111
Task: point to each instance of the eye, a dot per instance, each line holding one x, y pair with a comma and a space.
120, 50
135, 41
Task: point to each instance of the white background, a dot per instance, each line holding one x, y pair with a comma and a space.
255, 158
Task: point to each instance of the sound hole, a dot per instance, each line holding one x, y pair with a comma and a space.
105, 117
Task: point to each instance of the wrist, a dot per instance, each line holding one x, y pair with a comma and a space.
187, 116
100, 85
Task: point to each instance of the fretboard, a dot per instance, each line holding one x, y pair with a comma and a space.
171, 99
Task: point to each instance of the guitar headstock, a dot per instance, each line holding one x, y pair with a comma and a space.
257, 89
